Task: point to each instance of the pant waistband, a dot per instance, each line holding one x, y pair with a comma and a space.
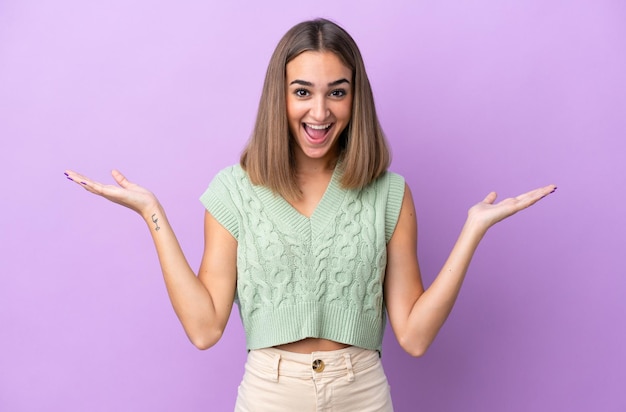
272, 362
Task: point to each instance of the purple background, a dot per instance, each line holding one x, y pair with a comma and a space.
473, 95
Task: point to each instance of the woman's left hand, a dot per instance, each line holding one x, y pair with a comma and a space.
487, 213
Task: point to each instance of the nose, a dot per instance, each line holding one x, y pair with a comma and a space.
319, 110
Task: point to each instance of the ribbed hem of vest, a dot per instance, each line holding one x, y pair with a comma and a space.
222, 213
394, 203
314, 320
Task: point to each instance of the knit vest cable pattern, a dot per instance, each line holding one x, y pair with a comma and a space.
300, 277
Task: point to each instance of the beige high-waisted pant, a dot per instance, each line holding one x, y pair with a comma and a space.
345, 380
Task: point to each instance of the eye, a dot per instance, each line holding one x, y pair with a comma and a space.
338, 93
301, 92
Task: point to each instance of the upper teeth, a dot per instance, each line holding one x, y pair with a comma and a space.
319, 127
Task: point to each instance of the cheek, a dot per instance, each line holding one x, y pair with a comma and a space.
294, 110
289, 105
345, 111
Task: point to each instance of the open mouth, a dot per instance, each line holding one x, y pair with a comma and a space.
317, 132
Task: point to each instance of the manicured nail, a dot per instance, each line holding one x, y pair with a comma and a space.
65, 174
84, 183
69, 178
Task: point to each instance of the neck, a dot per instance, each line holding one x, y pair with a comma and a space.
306, 165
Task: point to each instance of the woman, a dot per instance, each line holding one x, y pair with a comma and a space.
313, 237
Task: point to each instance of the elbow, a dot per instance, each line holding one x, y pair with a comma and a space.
417, 352
413, 347
206, 340
202, 344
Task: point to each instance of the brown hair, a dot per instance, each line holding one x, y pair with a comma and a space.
268, 157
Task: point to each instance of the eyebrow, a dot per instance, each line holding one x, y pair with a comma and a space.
309, 84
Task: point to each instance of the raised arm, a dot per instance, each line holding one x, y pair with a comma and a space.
416, 315
202, 303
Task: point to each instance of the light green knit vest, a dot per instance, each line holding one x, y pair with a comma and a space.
300, 277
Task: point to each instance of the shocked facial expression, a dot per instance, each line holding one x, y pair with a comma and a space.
319, 103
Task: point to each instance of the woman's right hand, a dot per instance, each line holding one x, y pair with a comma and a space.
127, 194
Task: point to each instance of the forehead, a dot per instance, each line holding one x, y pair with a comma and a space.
321, 65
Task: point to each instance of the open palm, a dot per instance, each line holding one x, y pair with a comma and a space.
125, 193
489, 213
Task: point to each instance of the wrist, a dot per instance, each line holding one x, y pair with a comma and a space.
475, 226
152, 211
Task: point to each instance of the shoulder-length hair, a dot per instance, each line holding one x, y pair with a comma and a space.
269, 157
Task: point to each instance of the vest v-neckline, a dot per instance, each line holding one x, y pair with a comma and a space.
278, 207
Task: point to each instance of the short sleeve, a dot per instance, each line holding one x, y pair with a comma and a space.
395, 195
220, 201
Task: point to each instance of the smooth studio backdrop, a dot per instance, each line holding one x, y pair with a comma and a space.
474, 96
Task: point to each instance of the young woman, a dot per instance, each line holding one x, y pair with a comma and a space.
313, 237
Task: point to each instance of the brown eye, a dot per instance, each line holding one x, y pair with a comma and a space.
301, 92
338, 93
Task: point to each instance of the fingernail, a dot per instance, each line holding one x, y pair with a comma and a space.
84, 183
65, 174
69, 178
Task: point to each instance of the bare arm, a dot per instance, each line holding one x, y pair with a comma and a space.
202, 303
416, 315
